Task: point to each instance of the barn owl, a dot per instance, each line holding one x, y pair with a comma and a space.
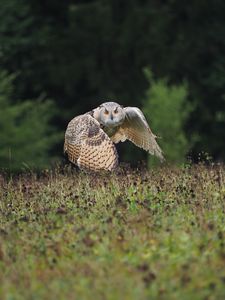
89, 138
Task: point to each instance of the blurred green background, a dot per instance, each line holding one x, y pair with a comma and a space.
59, 59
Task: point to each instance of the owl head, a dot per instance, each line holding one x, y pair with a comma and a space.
110, 114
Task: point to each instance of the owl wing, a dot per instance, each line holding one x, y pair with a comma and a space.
88, 146
136, 129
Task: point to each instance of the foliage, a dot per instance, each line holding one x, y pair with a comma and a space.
167, 110
133, 235
81, 53
26, 135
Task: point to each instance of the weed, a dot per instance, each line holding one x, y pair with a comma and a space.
135, 234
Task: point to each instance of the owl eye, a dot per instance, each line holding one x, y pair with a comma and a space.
106, 112
116, 111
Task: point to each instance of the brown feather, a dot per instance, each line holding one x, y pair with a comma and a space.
136, 129
88, 146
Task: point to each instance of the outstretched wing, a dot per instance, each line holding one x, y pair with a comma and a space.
136, 129
88, 146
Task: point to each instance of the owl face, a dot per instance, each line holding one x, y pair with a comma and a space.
111, 114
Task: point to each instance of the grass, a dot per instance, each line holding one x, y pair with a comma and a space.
136, 234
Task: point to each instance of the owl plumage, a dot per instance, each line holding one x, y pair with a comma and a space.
90, 138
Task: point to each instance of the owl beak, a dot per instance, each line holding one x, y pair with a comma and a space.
111, 116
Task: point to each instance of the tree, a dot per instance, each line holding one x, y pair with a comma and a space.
26, 136
84, 52
167, 110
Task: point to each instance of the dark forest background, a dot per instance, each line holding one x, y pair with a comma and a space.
59, 59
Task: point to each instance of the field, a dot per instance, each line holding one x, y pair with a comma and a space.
136, 234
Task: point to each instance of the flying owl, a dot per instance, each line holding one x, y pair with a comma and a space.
90, 138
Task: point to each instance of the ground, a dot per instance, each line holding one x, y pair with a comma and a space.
134, 234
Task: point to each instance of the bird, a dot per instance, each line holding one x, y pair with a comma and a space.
90, 138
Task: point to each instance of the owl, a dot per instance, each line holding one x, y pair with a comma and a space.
90, 138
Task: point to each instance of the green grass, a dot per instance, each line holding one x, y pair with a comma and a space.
132, 235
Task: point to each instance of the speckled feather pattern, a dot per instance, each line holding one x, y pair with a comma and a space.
90, 138
88, 146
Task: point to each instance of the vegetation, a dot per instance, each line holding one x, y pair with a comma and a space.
81, 53
167, 110
131, 235
134, 234
26, 135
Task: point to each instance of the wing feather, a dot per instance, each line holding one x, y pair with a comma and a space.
88, 146
136, 129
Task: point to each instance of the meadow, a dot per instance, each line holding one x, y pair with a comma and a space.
134, 234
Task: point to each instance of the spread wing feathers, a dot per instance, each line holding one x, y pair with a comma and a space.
136, 129
88, 146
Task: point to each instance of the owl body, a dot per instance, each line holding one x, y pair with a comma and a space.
90, 138
110, 131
